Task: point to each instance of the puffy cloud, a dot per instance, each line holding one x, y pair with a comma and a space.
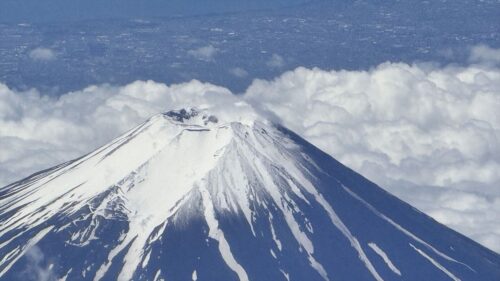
428, 134
437, 127
42, 54
276, 61
238, 72
37, 131
206, 53
484, 54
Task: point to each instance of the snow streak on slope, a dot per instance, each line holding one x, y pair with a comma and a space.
215, 233
435, 263
384, 256
190, 195
402, 229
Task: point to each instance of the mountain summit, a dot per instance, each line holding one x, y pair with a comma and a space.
188, 195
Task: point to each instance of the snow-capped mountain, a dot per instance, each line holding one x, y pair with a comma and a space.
189, 195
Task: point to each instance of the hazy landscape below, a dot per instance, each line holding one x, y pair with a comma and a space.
66, 52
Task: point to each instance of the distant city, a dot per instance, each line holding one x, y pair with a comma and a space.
233, 49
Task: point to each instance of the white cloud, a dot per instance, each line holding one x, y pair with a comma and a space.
484, 54
37, 131
276, 61
429, 135
206, 53
42, 54
35, 269
238, 72
428, 126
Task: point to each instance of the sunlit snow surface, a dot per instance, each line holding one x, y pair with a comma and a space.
190, 196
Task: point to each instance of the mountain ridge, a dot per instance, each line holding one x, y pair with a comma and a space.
189, 193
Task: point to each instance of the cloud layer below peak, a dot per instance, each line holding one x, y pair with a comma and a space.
429, 134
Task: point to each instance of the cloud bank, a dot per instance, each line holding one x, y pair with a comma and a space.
485, 55
430, 135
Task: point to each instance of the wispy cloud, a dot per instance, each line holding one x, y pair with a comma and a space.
42, 54
205, 53
276, 61
35, 269
238, 72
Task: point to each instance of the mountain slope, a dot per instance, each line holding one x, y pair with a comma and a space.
187, 196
